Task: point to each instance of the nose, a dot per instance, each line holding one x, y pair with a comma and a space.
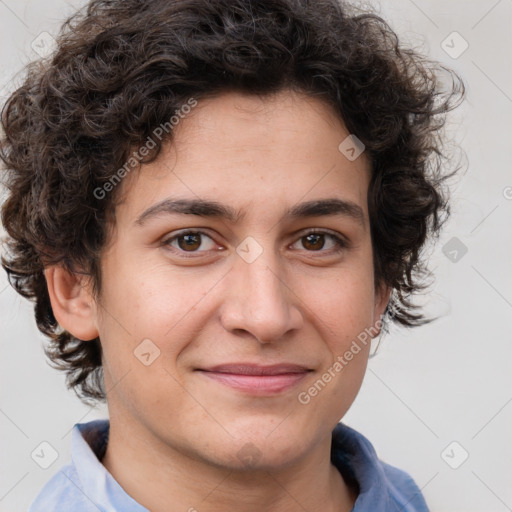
259, 301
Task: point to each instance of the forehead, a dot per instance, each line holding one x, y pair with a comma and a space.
252, 153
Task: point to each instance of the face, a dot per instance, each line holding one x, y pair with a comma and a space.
223, 316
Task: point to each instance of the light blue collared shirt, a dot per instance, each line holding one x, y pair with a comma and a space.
85, 485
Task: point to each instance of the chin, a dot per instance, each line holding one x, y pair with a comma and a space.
265, 446
251, 457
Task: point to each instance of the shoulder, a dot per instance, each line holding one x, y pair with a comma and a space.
77, 486
62, 493
403, 490
85, 485
381, 487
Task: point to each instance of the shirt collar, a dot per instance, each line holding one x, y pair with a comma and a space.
351, 453
88, 444
381, 487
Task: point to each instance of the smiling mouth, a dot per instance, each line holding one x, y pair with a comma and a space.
257, 380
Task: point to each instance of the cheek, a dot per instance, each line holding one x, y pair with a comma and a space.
343, 308
344, 301
146, 321
154, 303
152, 298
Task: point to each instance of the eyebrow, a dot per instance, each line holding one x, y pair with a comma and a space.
214, 209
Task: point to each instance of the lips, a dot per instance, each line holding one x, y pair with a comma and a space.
252, 369
257, 379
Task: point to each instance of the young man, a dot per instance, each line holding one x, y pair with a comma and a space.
213, 206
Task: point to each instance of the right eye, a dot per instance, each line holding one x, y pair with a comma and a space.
190, 241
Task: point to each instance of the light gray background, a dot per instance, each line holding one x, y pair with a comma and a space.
450, 381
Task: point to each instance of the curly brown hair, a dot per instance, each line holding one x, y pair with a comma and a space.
123, 68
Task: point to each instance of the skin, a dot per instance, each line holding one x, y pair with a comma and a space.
175, 434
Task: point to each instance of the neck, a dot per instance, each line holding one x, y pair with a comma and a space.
166, 479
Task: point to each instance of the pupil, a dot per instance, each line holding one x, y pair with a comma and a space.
315, 240
191, 241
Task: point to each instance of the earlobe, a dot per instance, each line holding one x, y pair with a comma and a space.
381, 301
72, 304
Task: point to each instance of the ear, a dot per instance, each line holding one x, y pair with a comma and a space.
382, 295
72, 303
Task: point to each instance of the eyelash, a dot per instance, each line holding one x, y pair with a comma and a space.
340, 243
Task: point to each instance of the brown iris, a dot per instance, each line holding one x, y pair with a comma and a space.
192, 241
317, 241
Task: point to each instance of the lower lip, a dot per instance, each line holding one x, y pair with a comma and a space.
257, 384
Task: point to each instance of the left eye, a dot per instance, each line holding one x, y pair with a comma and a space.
315, 241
